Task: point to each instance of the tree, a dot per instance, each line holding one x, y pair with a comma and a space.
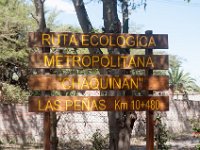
50, 118
180, 81
120, 123
14, 24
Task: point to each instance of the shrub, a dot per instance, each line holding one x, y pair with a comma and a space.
162, 134
98, 141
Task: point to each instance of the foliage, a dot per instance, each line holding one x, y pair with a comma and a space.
175, 61
162, 134
196, 129
98, 141
15, 21
198, 147
13, 94
1, 142
181, 81
195, 125
72, 144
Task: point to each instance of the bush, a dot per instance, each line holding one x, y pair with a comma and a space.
12, 93
162, 134
98, 141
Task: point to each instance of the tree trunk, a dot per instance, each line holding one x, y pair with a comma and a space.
113, 25
50, 122
84, 22
120, 123
125, 20
54, 138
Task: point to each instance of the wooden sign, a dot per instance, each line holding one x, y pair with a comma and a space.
42, 60
98, 40
97, 82
97, 103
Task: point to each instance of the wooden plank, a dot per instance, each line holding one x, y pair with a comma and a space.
38, 60
97, 40
97, 82
97, 103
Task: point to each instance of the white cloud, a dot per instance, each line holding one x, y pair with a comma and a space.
60, 5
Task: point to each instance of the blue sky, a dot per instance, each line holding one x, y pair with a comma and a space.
177, 18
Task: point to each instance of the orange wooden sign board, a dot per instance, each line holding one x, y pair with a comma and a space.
42, 60
97, 82
97, 103
98, 40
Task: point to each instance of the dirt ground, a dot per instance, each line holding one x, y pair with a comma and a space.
181, 142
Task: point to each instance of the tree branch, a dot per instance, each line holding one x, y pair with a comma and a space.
35, 18
84, 21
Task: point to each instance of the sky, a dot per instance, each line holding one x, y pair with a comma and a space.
177, 18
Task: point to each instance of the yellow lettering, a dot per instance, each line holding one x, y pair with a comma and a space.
132, 62
64, 39
118, 83
128, 42
85, 39
103, 83
46, 37
49, 106
85, 104
123, 41
125, 84
140, 61
66, 83
105, 59
149, 62
106, 40
102, 105
134, 83
92, 40
77, 105
85, 83
47, 62
143, 43
68, 60
39, 106
76, 59
73, 40
110, 41
94, 83
57, 39
112, 62
117, 104
123, 60
57, 105
94, 105
59, 61
95, 59
68, 103
151, 42
84, 61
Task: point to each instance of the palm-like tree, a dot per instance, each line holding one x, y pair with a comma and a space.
180, 81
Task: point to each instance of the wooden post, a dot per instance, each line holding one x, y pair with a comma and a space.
47, 116
149, 114
47, 131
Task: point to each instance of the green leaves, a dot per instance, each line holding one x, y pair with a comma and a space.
181, 81
14, 94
